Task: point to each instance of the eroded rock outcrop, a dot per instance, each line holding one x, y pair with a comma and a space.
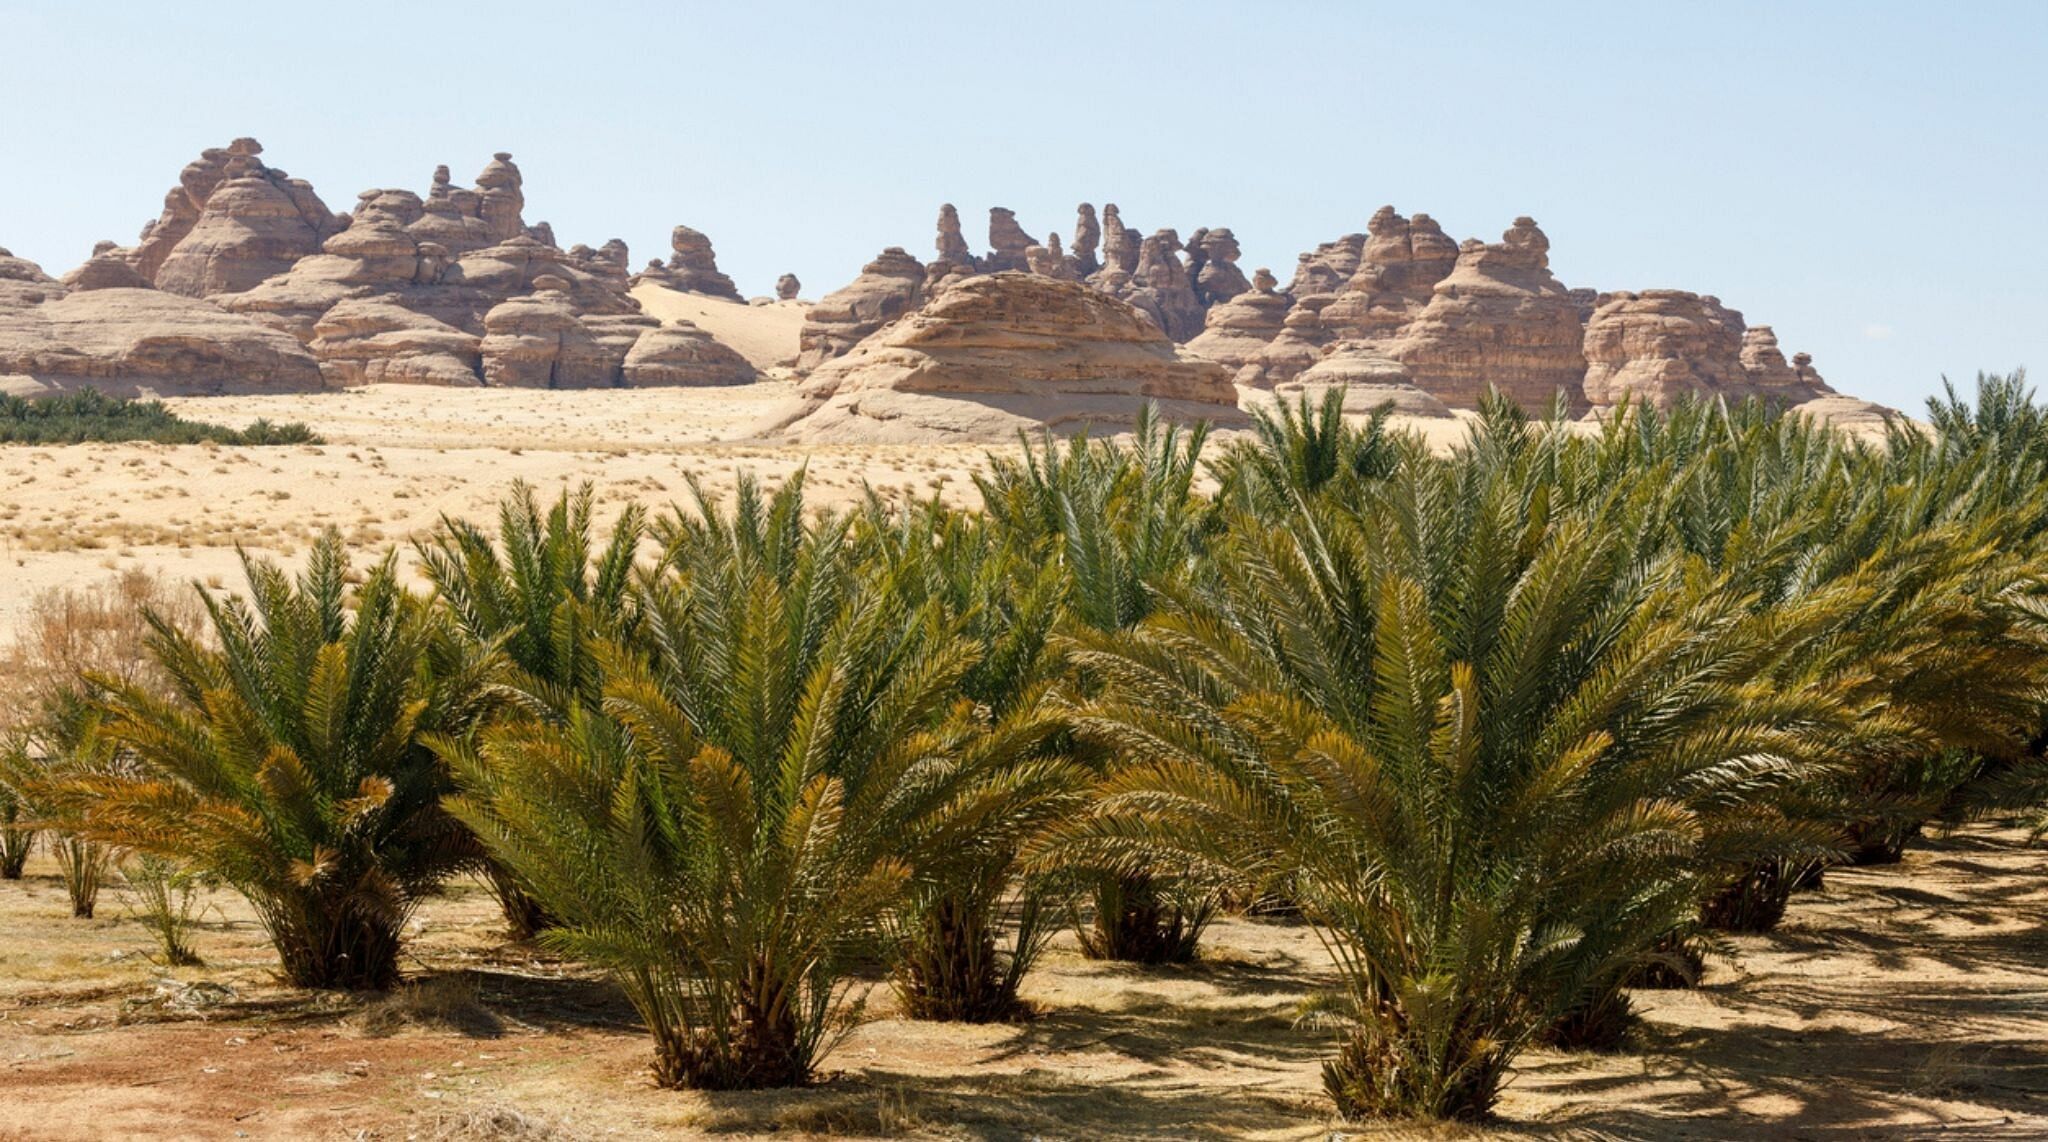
1238, 332
1212, 266
1087, 238
135, 342
678, 353
230, 223
1399, 266
1297, 347
1370, 381
1660, 344
1008, 243
692, 267
1161, 288
1500, 318
377, 340
887, 288
996, 352
1322, 272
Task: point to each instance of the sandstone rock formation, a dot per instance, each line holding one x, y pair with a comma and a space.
1399, 266
230, 223
1212, 264
1771, 377
1087, 238
1119, 243
1007, 242
1298, 346
537, 341
997, 352
787, 287
135, 342
1238, 332
1500, 318
1659, 344
1326, 269
887, 288
1161, 288
951, 243
377, 340
692, 267
678, 353
108, 268
1370, 381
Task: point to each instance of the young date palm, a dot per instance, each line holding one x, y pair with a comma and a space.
1495, 755
975, 922
539, 591
1120, 523
288, 761
774, 753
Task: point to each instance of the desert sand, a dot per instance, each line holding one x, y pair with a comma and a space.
766, 335
1897, 1002
397, 458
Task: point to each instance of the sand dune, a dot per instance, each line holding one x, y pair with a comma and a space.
765, 335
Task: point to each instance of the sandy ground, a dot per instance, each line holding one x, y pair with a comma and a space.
397, 458
1901, 1002
765, 335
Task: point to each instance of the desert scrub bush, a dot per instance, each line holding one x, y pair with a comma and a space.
100, 629
773, 753
1495, 754
288, 761
168, 903
90, 416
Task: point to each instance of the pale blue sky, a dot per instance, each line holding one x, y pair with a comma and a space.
1866, 177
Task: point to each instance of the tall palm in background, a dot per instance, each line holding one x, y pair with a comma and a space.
975, 922
1121, 522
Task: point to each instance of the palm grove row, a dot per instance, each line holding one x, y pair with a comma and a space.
1514, 728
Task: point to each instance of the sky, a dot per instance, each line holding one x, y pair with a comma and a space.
1868, 178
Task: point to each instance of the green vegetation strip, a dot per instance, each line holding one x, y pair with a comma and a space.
92, 417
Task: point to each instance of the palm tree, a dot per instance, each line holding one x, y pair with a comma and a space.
64, 742
288, 762
951, 960
776, 749
1306, 447
17, 840
1123, 524
1494, 753
539, 591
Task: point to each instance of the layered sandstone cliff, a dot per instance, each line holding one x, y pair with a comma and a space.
993, 353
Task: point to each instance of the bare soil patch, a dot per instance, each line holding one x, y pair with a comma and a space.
1908, 1001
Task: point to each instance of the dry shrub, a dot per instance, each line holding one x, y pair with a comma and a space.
451, 1002
97, 628
493, 1123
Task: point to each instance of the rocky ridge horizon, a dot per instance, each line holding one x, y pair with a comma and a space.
247, 282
